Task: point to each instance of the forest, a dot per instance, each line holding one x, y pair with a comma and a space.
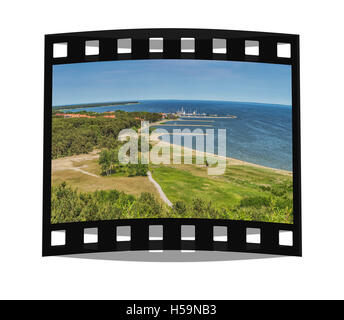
71, 136
71, 205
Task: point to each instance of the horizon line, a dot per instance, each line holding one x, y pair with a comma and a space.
138, 100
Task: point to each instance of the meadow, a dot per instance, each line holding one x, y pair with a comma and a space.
244, 192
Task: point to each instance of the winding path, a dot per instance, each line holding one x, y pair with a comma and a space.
85, 172
161, 193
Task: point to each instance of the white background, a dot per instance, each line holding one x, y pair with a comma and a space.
25, 274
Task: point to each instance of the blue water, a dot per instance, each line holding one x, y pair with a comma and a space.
261, 134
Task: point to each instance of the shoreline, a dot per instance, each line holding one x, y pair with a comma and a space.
230, 161
154, 137
79, 107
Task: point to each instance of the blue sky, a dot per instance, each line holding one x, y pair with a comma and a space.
171, 79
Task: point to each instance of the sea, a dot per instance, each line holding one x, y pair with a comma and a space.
260, 133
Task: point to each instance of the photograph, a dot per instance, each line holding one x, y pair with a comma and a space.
171, 139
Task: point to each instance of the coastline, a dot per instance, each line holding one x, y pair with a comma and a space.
154, 137
99, 105
230, 161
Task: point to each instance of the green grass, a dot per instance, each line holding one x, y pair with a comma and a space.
243, 192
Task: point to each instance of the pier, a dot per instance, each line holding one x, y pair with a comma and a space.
183, 114
208, 117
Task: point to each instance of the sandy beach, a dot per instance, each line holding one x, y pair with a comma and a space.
154, 137
69, 162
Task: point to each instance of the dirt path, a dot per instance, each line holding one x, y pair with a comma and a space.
161, 193
79, 171
85, 172
71, 163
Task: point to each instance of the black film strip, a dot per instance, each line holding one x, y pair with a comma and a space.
204, 44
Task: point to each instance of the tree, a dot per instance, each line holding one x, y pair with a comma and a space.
131, 170
105, 161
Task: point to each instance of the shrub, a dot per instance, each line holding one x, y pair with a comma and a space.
179, 208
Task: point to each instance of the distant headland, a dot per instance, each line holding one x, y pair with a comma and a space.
93, 105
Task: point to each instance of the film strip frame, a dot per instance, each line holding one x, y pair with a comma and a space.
204, 228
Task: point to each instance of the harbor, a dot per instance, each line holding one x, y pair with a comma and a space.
182, 114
